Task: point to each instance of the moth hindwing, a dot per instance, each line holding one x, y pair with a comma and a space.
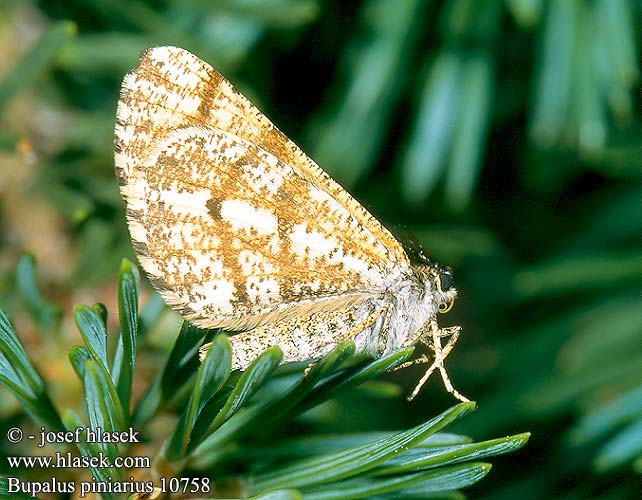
237, 228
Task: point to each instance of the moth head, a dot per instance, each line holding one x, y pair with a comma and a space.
445, 286
440, 278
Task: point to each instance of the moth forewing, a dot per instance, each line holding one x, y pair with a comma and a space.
237, 228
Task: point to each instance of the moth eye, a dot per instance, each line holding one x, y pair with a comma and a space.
446, 281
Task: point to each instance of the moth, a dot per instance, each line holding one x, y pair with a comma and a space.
238, 229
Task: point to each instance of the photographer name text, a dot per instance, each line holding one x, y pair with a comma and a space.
85, 435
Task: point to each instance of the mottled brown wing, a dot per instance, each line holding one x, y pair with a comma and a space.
233, 224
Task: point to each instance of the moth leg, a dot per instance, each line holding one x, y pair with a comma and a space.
203, 350
421, 360
438, 364
417, 337
441, 355
385, 329
306, 372
367, 322
355, 330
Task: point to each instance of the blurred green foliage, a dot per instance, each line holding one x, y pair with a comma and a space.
504, 134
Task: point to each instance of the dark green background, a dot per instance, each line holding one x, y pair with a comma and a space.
504, 134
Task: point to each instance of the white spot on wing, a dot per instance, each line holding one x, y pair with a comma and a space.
244, 217
231, 153
186, 202
215, 293
315, 245
262, 291
312, 244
